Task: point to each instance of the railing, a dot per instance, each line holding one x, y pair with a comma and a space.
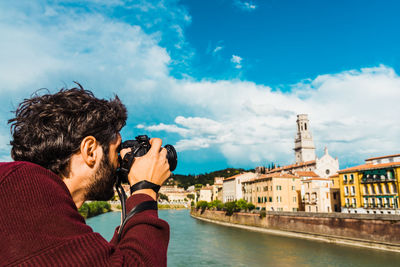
378, 180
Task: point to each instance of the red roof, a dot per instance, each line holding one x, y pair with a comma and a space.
306, 174
273, 175
370, 166
316, 179
396, 155
292, 166
232, 177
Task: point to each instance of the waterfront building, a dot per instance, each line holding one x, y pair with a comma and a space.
319, 194
217, 188
175, 194
206, 193
274, 192
232, 186
372, 187
317, 197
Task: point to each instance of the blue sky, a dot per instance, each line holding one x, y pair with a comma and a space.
221, 80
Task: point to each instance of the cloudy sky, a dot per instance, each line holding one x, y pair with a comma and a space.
222, 80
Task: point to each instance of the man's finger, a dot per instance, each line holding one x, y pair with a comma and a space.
155, 146
124, 151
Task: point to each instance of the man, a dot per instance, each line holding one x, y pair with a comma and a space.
65, 147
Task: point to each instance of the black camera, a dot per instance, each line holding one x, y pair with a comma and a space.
140, 146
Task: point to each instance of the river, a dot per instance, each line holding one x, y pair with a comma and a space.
196, 243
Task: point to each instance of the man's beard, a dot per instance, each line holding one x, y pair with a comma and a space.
101, 186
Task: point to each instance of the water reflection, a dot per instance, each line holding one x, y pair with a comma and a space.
197, 243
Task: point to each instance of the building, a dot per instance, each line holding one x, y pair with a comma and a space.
274, 192
232, 186
372, 187
206, 193
217, 188
175, 194
319, 194
317, 197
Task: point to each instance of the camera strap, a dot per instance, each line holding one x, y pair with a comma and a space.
122, 175
145, 185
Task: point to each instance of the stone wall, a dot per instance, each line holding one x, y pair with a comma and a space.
383, 229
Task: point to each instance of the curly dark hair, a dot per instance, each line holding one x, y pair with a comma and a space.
48, 129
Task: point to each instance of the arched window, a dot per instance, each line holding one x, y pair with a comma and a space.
305, 126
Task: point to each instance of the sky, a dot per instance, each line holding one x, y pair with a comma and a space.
221, 80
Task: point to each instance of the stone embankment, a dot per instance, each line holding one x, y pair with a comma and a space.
363, 230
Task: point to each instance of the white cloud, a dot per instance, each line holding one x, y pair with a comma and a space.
237, 61
247, 6
217, 49
354, 113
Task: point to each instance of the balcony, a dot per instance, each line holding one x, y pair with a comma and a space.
378, 180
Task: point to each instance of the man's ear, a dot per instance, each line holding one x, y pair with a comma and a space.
89, 151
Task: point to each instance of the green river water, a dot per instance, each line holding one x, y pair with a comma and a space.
197, 243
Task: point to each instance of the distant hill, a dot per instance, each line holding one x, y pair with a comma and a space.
202, 179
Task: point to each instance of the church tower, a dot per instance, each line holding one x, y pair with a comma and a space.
304, 148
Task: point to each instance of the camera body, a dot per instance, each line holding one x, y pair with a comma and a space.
141, 145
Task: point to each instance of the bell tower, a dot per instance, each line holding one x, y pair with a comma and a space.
304, 148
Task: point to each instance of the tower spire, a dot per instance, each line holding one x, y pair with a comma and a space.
303, 143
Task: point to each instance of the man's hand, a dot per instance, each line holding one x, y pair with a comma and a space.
152, 167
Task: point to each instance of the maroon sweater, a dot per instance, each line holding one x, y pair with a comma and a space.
40, 226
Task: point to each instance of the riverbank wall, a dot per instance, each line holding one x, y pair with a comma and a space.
363, 230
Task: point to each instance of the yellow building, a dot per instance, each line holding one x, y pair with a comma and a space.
274, 192
372, 187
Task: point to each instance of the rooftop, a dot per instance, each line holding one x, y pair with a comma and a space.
382, 157
370, 166
306, 174
292, 166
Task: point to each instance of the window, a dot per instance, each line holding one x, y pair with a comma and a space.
265, 188
351, 178
346, 190
278, 187
293, 188
345, 178
373, 189
353, 191
270, 199
354, 202
294, 199
278, 199
379, 188
334, 196
366, 189
327, 171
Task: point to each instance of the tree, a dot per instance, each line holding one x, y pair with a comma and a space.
230, 207
190, 196
250, 206
241, 204
202, 205
163, 197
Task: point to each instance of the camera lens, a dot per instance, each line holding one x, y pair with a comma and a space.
172, 157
